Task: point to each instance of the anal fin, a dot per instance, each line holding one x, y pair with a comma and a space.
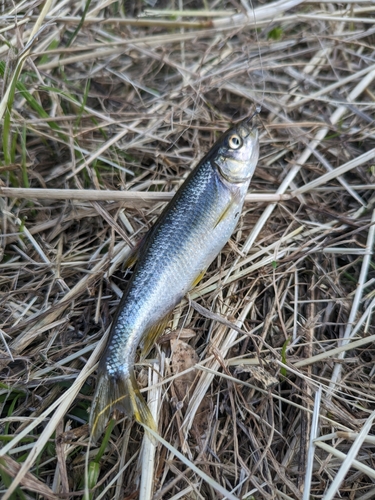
153, 333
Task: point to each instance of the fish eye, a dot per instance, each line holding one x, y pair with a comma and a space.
235, 141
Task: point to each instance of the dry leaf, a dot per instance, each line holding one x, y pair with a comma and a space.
183, 357
202, 419
258, 374
28, 481
184, 333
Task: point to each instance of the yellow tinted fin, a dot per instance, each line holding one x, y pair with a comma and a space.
198, 278
103, 403
153, 333
134, 253
131, 259
121, 392
223, 215
138, 405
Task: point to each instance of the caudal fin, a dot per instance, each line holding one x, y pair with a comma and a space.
119, 392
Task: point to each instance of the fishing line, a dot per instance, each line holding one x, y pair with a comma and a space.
251, 10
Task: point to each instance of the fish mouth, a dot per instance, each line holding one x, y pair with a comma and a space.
247, 125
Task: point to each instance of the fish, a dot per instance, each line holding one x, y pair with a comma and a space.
169, 261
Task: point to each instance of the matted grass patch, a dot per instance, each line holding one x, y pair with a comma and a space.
106, 107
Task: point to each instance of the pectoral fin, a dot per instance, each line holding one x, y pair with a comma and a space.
223, 215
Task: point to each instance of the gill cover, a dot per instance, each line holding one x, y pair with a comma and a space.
238, 154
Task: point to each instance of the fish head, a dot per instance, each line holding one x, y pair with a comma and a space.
238, 152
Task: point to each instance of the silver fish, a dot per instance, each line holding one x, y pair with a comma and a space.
170, 261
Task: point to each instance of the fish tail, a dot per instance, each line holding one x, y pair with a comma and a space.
120, 391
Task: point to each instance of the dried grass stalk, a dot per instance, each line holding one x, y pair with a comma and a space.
105, 109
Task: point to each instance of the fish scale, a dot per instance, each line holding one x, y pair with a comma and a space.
180, 246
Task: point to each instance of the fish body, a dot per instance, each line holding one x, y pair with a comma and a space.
173, 257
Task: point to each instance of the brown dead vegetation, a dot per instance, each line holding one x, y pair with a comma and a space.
278, 367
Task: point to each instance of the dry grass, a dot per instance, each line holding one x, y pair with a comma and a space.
118, 101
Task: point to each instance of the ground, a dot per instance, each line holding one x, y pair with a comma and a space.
263, 382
